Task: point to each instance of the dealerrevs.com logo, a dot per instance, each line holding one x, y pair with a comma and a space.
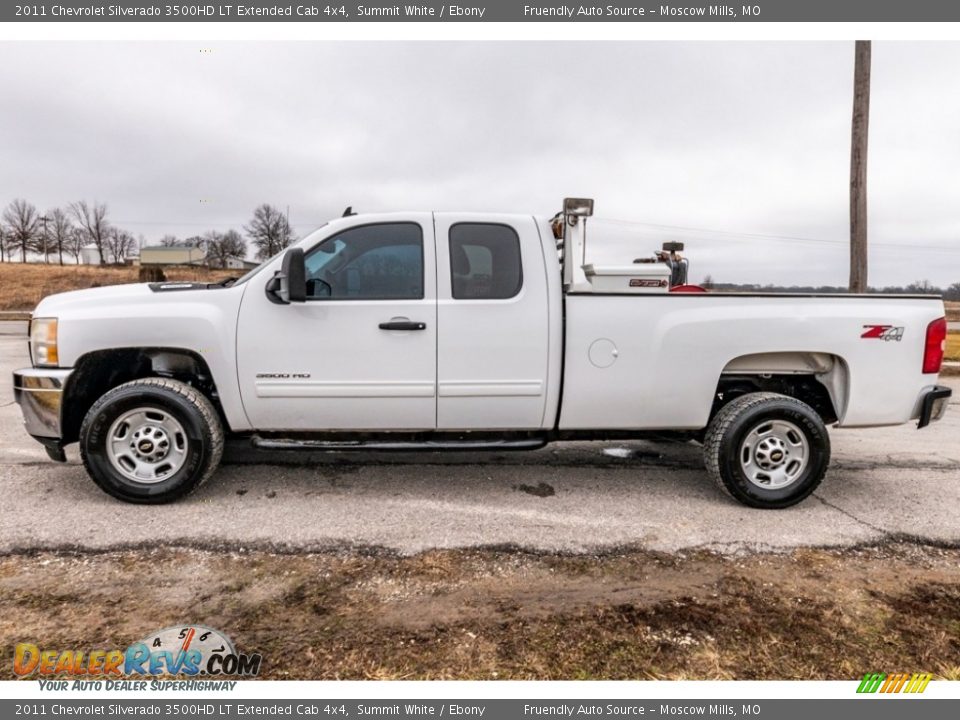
190, 650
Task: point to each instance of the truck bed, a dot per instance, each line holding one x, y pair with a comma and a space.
655, 361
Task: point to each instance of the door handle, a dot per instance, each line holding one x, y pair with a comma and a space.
403, 325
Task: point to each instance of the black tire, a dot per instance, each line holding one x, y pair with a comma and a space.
731, 462
200, 443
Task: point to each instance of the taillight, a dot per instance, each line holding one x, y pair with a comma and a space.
935, 345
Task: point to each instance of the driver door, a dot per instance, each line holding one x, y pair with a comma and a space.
361, 352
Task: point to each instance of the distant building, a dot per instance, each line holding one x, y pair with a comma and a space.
172, 255
236, 263
89, 255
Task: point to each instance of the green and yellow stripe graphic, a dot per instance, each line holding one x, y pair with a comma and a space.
895, 683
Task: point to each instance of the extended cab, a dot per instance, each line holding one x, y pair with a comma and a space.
464, 331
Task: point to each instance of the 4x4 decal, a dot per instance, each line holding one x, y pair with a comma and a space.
882, 332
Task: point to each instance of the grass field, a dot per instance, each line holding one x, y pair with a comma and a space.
953, 311
952, 354
953, 346
23, 285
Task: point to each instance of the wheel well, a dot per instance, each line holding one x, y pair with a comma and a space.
803, 387
100, 371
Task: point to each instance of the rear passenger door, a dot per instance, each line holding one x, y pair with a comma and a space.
492, 323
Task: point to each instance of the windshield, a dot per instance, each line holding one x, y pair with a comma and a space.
266, 262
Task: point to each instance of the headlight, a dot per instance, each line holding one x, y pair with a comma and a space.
43, 342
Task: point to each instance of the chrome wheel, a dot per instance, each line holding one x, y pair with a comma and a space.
774, 454
146, 445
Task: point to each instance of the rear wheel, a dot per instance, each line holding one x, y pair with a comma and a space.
767, 450
151, 440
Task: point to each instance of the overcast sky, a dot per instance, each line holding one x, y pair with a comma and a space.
739, 149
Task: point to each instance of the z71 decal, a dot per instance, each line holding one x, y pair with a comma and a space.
882, 332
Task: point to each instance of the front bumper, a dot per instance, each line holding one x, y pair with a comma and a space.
933, 405
39, 392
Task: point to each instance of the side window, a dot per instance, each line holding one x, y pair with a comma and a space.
484, 261
371, 262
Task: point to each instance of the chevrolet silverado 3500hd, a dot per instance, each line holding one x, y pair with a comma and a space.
441, 331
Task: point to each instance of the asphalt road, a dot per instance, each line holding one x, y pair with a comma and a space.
887, 482
13, 327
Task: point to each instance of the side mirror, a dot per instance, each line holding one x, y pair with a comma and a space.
317, 288
289, 283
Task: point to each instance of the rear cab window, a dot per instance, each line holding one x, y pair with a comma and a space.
485, 262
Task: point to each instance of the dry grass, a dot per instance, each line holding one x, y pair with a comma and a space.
483, 614
23, 285
953, 346
952, 355
953, 311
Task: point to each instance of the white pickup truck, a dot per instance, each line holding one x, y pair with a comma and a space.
441, 331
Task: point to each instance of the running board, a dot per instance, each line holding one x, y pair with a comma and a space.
262, 443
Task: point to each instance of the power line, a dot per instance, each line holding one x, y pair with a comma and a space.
762, 236
727, 234
177, 223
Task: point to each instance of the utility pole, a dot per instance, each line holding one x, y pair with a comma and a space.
44, 219
858, 167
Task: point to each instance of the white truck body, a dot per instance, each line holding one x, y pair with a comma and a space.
551, 360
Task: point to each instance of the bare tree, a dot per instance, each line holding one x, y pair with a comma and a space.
269, 231
3, 244
74, 242
169, 241
858, 167
43, 247
60, 229
22, 223
93, 221
223, 246
119, 243
922, 287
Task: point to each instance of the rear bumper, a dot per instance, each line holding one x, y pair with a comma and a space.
933, 405
39, 392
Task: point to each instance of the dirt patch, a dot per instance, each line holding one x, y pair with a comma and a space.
508, 614
541, 489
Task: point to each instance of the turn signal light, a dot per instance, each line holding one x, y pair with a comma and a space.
43, 342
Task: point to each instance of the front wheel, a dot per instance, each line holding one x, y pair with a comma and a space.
767, 450
151, 441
